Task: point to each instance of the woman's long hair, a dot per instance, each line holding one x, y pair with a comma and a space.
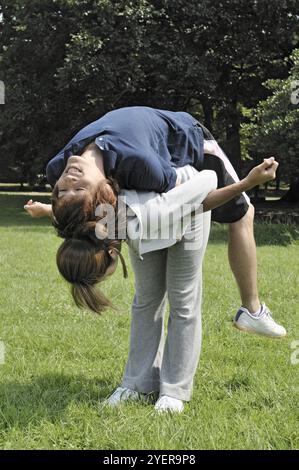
83, 259
71, 212
84, 263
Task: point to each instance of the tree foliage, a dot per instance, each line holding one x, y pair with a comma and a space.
274, 127
275, 122
67, 62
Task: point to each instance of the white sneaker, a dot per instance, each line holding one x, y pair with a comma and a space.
262, 324
122, 394
169, 404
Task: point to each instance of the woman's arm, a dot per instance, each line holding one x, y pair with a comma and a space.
38, 209
260, 174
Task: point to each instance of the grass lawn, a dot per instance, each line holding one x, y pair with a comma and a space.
60, 362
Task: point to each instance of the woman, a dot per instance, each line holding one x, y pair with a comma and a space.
163, 267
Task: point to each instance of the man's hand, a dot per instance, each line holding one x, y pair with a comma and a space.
262, 173
258, 175
38, 209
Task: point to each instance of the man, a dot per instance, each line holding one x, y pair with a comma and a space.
140, 147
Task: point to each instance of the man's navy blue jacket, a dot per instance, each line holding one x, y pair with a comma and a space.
141, 146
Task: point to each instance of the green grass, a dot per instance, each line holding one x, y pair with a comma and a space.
61, 363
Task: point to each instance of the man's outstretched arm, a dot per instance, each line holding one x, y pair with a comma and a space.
260, 174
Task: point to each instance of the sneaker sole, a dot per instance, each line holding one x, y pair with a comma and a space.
253, 332
168, 411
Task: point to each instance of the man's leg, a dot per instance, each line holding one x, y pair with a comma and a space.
239, 214
252, 316
242, 259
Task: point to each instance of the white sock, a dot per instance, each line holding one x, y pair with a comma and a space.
258, 312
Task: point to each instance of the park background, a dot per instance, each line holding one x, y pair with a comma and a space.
234, 65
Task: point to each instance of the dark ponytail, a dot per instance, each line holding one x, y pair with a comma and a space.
83, 262
83, 259
88, 296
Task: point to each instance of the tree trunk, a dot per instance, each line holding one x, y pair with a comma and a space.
277, 183
292, 195
208, 114
256, 192
232, 145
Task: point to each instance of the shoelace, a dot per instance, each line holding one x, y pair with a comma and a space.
118, 393
123, 394
267, 312
127, 393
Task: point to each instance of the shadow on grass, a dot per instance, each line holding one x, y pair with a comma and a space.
265, 234
48, 396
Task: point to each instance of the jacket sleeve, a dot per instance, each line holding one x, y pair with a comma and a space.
145, 174
54, 168
181, 201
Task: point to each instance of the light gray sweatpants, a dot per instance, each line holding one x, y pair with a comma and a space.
156, 365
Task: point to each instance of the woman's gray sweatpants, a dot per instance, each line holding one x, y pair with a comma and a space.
155, 365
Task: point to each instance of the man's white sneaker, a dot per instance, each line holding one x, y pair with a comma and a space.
169, 404
261, 324
122, 394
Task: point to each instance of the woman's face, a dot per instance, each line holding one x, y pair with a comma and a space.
80, 174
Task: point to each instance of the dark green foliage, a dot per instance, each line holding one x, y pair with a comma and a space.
275, 127
67, 62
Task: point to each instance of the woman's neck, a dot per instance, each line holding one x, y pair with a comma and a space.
93, 154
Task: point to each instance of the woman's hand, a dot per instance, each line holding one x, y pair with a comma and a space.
262, 173
38, 209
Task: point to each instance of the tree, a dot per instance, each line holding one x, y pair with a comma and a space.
67, 62
207, 58
220, 53
33, 35
275, 127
